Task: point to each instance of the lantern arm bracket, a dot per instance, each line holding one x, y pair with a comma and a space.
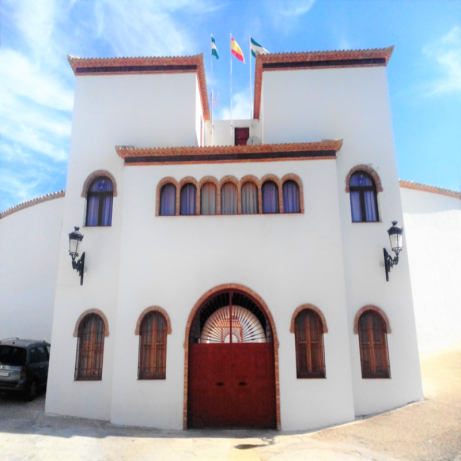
79, 265
389, 262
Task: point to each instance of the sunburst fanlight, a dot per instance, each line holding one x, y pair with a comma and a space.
246, 328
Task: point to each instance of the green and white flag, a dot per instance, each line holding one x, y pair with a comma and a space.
256, 48
214, 50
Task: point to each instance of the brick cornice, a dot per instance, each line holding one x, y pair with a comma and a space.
431, 189
34, 201
374, 309
312, 308
228, 154
315, 60
88, 312
145, 65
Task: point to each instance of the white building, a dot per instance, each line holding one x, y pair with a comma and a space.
234, 285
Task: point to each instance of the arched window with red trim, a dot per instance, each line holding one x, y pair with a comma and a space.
152, 347
374, 355
90, 349
99, 202
310, 359
364, 201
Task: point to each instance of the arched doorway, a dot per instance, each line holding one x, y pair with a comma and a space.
230, 362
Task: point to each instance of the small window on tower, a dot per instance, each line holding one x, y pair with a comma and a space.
241, 136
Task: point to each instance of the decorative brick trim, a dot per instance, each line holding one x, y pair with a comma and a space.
258, 300
321, 59
146, 65
431, 189
97, 174
162, 182
201, 183
297, 180
34, 201
366, 169
235, 181
183, 182
271, 177
312, 308
88, 312
148, 311
229, 154
371, 308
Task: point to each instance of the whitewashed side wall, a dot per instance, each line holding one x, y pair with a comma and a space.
433, 237
288, 260
352, 104
141, 110
29, 249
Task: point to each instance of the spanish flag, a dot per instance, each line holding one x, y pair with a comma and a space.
236, 51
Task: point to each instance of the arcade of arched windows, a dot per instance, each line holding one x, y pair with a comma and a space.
230, 196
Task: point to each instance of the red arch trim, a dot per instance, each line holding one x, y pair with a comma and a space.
371, 308
312, 308
88, 312
148, 311
366, 169
97, 174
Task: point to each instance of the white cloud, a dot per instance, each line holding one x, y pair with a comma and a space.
240, 108
447, 53
296, 7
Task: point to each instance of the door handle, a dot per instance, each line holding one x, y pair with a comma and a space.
242, 384
219, 384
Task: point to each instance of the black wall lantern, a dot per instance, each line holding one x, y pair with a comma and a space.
395, 236
74, 239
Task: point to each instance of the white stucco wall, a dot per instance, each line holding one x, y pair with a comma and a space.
29, 248
141, 110
352, 104
433, 237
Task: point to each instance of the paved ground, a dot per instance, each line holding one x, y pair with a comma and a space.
428, 430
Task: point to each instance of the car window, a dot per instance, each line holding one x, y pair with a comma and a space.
33, 356
42, 354
15, 356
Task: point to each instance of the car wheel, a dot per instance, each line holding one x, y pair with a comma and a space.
31, 392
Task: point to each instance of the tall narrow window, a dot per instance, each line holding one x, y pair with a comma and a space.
241, 136
90, 349
208, 201
229, 203
99, 205
291, 197
152, 347
168, 200
188, 199
310, 361
250, 198
374, 355
270, 197
364, 203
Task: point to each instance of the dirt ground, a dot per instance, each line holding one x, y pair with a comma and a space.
427, 430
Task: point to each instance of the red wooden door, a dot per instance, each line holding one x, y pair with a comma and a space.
231, 385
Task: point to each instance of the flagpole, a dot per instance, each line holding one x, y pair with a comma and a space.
231, 79
211, 62
250, 80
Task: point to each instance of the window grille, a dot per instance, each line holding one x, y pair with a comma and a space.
99, 202
374, 355
152, 347
90, 349
364, 202
310, 360
168, 200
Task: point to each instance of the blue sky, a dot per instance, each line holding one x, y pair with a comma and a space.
37, 84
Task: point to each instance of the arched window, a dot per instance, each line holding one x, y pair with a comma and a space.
270, 197
373, 346
208, 200
99, 202
152, 347
168, 200
250, 198
90, 349
310, 360
188, 200
364, 203
291, 197
229, 202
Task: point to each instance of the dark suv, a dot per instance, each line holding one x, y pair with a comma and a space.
23, 365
